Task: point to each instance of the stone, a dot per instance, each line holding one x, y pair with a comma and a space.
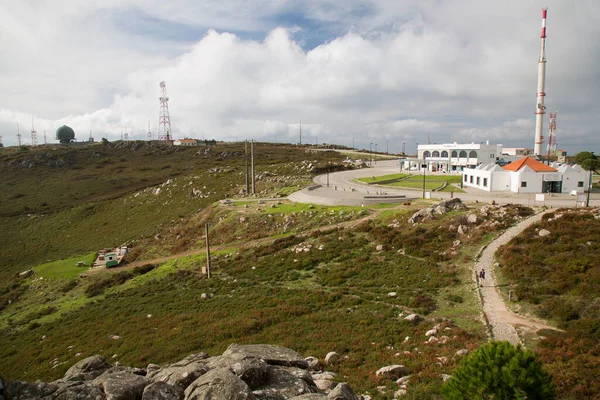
400, 393
456, 243
462, 229
122, 385
379, 247
218, 384
445, 377
85, 390
325, 380
87, 369
286, 382
393, 371
253, 371
313, 363
162, 391
392, 294
472, 218
180, 375
433, 339
461, 353
404, 380
310, 396
544, 232
271, 354
412, 318
26, 274
342, 391
332, 358
30, 390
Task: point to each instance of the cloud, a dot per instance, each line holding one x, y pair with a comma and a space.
381, 70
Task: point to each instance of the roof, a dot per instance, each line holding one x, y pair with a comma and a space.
532, 163
187, 140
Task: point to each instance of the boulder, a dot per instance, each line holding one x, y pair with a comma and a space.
310, 396
180, 376
325, 380
544, 232
393, 371
87, 369
253, 371
392, 294
30, 390
462, 229
162, 391
26, 274
400, 393
445, 377
286, 382
313, 363
86, 390
431, 332
122, 385
218, 384
412, 318
332, 358
271, 354
342, 392
461, 353
379, 247
472, 218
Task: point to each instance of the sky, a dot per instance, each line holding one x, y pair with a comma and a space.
356, 73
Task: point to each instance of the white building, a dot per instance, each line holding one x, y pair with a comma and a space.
185, 142
448, 157
526, 175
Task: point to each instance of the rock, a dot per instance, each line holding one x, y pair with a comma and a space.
286, 382
180, 376
461, 353
30, 390
462, 229
325, 380
472, 218
544, 232
393, 371
445, 377
271, 354
26, 274
85, 390
412, 318
433, 339
392, 294
218, 384
456, 243
114, 337
310, 396
3, 394
379, 247
162, 391
404, 380
122, 385
204, 296
253, 371
87, 369
313, 363
332, 358
342, 392
431, 332
400, 393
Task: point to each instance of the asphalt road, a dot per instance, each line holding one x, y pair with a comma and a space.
343, 189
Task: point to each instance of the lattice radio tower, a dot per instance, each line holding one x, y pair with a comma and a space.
164, 120
19, 137
149, 132
33, 134
551, 147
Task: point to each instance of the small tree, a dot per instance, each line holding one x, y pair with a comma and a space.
499, 370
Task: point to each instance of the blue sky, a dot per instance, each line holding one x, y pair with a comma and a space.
376, 70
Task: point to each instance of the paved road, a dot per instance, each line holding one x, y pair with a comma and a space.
344, 190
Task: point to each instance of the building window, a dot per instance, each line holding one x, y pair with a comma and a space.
435, 154
492, 155
472, 154
471, 179
484, 182
580, 184
454, 154
478, 181
463, 154
426, 154
444, 154
523, 184
465, 178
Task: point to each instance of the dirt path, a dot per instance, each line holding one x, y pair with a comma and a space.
504, 324
251, 243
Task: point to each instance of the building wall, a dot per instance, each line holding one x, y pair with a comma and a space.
533, 181
572, 179
449, 158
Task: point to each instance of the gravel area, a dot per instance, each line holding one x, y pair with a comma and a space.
502, 322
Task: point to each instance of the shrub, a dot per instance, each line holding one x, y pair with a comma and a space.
499, 370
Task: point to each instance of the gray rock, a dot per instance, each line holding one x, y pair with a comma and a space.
87, 369
83, 391
253, 371
342, 392
271, 354
122, 385
218, 384
313, 363
393, 371
544, 232
310, 396
461, 353
445, 377
286, 382
180, 375
26, 274
162, 391
413, 318
472, 218
332, 358
30, 390
462, 229
400, 393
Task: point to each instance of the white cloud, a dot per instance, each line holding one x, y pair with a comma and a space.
399, 71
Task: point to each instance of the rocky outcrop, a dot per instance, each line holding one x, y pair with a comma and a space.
440, 208
242, 372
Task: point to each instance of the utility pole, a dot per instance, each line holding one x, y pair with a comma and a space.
592, 165
403, 148
387, 149
247, 177
370, 155
252, 168
207, 254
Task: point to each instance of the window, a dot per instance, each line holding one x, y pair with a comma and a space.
426, 154
580, 184
435, 154
478, 181
472, 154
463, 154
492, 155
444, 154
523, 184
454, 154
465, 178
471, 179
484, 182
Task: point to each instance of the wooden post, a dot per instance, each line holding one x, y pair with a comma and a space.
207, 254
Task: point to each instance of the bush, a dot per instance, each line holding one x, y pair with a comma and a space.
499, 370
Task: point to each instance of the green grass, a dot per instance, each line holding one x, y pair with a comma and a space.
66, 268
381, 178
290, 208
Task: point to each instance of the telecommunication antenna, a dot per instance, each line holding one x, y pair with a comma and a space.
149, 132
33, 134
164, 120
551, 147
19, 135
45, 138
126, 136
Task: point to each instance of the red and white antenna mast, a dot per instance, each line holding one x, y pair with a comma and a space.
540, 109
551, 147
164, 120
33, 134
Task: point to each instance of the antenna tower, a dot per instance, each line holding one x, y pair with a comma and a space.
33, 134
45, 139
540, 108
126, 136
149, 132
19, 135
551, 147
164, 120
